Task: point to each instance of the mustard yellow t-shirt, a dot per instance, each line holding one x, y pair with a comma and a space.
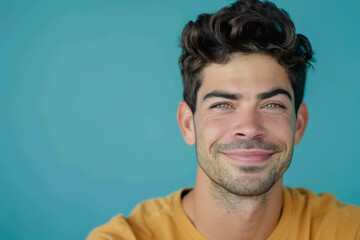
305, 215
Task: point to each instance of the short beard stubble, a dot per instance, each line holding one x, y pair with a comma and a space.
242, 180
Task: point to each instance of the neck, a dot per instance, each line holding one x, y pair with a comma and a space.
218, 214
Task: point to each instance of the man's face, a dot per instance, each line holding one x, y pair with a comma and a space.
245, 123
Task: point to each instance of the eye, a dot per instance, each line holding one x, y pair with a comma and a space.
221, 106
273, 105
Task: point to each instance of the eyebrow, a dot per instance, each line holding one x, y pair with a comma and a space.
237, 96
222, 94
274, 92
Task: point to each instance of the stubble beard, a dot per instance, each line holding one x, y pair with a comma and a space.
245, 181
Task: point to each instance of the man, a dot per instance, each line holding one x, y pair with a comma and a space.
244, 71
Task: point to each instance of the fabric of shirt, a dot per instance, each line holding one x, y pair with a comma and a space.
305, 215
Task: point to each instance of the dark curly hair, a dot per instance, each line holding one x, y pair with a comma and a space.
246, 26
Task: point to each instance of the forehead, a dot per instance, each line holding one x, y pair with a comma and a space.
246, 74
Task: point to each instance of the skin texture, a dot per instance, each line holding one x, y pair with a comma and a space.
244, 129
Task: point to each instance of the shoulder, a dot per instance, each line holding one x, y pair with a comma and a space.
144, 217
323, 214
322, 203
116, 229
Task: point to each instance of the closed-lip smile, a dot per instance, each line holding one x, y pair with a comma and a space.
252, 156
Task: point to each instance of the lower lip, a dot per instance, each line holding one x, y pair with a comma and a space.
251, 158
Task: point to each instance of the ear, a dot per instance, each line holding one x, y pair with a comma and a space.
185, 120
301, 122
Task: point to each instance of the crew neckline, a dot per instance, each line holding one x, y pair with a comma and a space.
193, 233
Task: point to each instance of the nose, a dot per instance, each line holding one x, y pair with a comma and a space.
248, 124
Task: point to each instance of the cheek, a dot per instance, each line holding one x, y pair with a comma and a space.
280, 128
214, 130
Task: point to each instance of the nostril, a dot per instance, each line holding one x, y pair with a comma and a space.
248, 132
240, 134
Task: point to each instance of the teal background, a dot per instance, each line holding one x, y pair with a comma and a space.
88, 99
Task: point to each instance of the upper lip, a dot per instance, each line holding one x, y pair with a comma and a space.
249, 152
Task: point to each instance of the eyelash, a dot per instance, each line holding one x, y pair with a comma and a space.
273, 105
268, 106
222, 105
225, 105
